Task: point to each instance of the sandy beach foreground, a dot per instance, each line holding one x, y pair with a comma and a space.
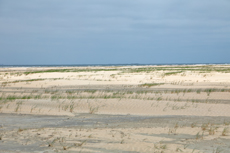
161, 109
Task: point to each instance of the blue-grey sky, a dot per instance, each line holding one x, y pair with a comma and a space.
114, 31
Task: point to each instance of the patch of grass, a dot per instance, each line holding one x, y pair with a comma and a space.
90, 91
11, 97
178, 69
226, 123
18, 104
51, 143
178, 149
198, 91
80, 144
204, 126
225, 131
212, 131
71, 107
150, 84
172, 73
70, 92
70, 70
93, 110
160, 146
122, 141
199, 136
193, 125
33, 108
30, 80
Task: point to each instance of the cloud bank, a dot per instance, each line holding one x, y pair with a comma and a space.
115, 31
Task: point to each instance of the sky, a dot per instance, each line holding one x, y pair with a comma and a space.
114, 31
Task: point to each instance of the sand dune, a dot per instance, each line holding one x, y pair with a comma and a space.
115, 109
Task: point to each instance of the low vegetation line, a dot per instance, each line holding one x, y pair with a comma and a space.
69, 70
150, 84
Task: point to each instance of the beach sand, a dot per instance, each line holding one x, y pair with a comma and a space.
158, 109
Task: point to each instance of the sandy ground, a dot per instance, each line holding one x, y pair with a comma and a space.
115, 109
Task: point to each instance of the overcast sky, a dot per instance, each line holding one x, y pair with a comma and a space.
114, 31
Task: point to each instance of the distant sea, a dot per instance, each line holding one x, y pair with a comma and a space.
95, 65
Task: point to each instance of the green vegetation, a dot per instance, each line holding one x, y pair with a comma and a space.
29, 80
172, 73
170, 70
141, 93
69, 70
150, 84
178, 69
93, 110
225, 131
